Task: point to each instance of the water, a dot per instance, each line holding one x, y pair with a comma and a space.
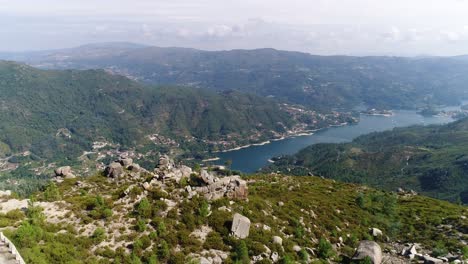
253, 158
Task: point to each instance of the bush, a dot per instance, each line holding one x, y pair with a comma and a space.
325, 249
98, 235
144, 208
242, 253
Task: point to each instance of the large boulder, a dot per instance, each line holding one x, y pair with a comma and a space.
114, 170
240, 226
64, 171
368, 249
126, 162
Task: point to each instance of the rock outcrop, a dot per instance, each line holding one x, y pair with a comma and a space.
368, 249
65, 172
114, 170
232, 187
240, 226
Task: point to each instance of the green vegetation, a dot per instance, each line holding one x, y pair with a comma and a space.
54, 116
315, 213
431, 160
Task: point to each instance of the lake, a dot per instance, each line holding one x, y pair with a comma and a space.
253, 158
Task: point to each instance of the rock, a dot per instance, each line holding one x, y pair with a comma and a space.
207, 177
296, 248
64, 171
412, 250
126, 162
203, 260
274, 257
280, 204
165, 163
146, 186
217, 260
240, 226
277, 240
267, 250
431, 260
266, 228
224, 208
134, 167
185, 171
5, 193
368, 249
232, 187
375, 232
114, 170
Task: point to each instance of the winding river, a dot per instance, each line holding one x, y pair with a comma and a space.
253, 158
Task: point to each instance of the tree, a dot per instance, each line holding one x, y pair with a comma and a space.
242, 253
144, 208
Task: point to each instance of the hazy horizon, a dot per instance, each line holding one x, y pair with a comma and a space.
322, 27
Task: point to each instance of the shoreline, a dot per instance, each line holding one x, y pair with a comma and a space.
308, 132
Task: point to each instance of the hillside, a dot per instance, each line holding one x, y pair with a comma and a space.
56, 116
431, 160
175, 215
323, 82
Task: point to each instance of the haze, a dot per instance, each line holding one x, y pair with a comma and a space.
351, 27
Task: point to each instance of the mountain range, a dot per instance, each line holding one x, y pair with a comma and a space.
321, 82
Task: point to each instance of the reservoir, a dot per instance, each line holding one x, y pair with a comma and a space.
251, 159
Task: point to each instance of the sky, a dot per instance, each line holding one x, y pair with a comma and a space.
325, 27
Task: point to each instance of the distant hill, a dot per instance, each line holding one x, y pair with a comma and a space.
432, 160
61, 113
323, 82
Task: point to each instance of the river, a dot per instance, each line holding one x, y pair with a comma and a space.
251, 159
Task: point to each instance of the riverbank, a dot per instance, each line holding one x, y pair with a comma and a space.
249, 160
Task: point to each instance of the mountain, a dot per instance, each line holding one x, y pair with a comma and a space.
177, 215
429, 159
50, 115
322, 82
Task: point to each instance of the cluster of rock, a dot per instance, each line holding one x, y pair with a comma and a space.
116, 169
64, 172
411, 251
232, 187
167, 170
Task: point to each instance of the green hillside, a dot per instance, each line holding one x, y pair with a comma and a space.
60, 112
431, 160
55, 116
139, 218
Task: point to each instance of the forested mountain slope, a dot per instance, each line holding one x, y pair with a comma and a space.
432, 160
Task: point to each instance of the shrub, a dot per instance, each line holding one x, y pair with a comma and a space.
242, 253
144, 208
324, 249
98, 235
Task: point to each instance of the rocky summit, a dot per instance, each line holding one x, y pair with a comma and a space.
178, 214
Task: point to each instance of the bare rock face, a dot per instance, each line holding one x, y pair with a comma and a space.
240, 226
368, 249
64, 171
114, 170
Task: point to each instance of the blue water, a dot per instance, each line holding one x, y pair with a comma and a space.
253, 158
